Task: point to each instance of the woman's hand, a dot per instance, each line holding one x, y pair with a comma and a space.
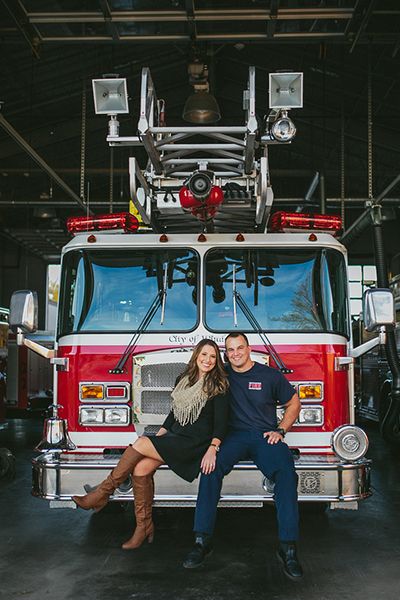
161, 431
208, 461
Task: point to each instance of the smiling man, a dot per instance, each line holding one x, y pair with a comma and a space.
253, 434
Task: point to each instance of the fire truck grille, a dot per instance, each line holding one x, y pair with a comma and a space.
156, 403
161, 376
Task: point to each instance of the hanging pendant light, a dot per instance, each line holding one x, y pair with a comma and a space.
201, 108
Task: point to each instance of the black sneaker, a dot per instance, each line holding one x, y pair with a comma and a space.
198, 554
288, 557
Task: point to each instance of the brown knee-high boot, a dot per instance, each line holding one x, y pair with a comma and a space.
143, 489
98, 498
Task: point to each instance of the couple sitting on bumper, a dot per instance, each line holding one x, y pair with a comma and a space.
219, 416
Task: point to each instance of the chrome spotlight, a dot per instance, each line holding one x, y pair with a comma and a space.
55, 436
349, 442
283, 129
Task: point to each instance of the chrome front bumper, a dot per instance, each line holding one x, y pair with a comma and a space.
322, 478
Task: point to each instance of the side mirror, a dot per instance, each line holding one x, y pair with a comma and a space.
24, 311
378, 309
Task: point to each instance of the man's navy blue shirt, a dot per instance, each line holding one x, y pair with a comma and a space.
254, 396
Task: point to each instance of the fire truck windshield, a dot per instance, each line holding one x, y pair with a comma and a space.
286, 290
111, 290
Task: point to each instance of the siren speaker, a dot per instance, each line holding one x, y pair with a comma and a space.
285, 90
110, 96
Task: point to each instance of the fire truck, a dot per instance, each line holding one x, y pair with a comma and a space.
202, 257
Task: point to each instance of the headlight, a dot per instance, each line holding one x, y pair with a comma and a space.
116, 416
310, 391
90, 416
309, 415
349, 442
104, 415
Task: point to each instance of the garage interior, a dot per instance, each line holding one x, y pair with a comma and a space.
55, 163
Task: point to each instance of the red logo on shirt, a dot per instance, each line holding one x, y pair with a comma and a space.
255, 385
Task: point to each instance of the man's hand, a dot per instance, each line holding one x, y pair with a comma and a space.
208, 461
273, 437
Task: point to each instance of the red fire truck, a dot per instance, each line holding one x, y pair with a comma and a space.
201, 259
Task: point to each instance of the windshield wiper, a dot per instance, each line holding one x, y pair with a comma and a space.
159, 301
238, 301
164, 294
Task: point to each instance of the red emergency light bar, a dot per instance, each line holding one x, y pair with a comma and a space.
125, 221
284, 221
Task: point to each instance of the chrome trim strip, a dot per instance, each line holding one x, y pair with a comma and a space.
58, 477
93, 440
309, 438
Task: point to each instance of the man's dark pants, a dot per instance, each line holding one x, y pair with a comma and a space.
275, 461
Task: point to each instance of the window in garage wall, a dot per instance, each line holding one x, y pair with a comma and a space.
53, 286
361, 277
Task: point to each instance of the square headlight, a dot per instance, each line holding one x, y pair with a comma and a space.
311, 415
116, 416
90, 416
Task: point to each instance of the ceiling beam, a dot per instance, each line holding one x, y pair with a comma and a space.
39, 160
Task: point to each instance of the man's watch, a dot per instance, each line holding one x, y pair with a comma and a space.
216, 447
281, 431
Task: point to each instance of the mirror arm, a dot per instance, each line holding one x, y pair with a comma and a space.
367, 346
38, 348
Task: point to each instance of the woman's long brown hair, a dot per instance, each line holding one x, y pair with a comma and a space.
216, 381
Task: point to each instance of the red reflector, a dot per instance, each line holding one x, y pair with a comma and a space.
116, 392
124, 221
283, 221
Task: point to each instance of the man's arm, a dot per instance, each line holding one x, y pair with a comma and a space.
292, 411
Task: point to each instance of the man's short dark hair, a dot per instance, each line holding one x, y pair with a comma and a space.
236, 334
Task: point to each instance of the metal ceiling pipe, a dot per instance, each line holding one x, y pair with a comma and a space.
40, 161
356, 228
312, 187
350, 202
59, 203
365, 219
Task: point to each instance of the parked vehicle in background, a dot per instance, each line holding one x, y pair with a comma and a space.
7, 460
374, 379
4, 314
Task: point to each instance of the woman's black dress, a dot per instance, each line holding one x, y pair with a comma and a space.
182, 447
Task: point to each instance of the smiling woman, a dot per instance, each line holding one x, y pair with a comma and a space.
187, 441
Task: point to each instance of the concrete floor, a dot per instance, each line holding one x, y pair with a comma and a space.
70, 554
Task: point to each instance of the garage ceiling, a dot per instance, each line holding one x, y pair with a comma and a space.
50, 51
